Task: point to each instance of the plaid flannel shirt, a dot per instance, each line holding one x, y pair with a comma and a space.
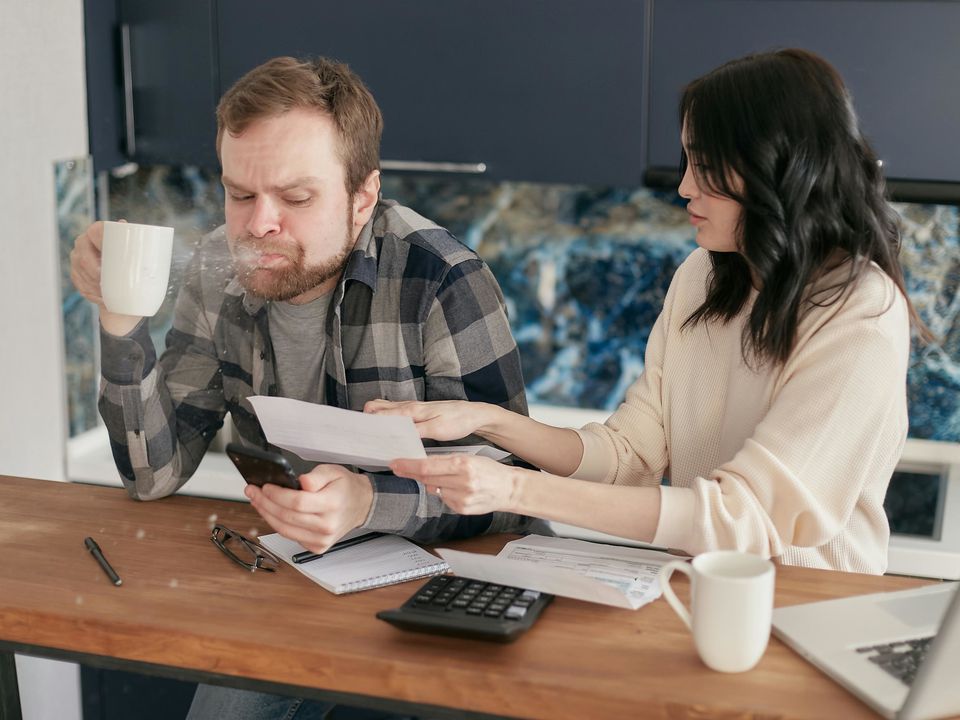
416, 315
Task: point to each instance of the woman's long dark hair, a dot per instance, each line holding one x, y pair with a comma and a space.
783, 123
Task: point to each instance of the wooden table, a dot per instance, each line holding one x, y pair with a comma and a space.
186, 611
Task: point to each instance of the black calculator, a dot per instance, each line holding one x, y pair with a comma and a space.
463, 607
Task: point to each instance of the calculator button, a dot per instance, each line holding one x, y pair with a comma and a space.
515, 612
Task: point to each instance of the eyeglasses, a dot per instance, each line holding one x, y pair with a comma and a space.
243, 551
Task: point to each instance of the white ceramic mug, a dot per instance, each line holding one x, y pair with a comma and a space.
135, 267
732, 605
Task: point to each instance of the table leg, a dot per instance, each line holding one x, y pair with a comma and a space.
9, 690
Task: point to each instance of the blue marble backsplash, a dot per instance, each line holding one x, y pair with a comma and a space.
584, 271
74, 193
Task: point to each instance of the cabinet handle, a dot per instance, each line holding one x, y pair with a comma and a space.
425, 166
127, 60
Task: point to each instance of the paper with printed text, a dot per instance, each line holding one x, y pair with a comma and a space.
608, 574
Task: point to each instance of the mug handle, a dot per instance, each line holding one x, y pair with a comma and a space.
665, 572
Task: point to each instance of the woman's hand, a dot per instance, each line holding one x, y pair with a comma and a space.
468, 484
440, 419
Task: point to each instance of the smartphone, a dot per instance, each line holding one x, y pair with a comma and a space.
260, 467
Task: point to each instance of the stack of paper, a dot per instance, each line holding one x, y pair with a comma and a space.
608, 574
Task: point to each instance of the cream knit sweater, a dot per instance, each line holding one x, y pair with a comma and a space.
791, 461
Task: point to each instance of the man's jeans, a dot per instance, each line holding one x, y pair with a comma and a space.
211, 702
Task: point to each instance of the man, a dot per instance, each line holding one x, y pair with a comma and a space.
314, 289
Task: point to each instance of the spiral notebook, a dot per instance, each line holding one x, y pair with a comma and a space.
382, 561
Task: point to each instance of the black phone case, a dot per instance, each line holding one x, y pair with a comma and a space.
260, 467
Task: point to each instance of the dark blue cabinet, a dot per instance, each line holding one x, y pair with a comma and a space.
543, 90
152, 84
103, 52
547, 90
169, 80
573, 91
899, 59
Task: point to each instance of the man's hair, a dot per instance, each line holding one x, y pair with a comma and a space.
783, 122
285, 83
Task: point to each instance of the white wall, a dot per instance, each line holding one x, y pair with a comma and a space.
42, 120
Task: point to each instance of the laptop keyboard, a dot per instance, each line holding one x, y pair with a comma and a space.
901, 659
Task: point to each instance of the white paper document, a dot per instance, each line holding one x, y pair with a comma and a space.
333, 435
347, 437
608, 574
481, 450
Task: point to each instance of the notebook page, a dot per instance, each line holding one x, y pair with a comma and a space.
381, 561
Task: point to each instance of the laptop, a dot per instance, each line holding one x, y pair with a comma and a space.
898, 651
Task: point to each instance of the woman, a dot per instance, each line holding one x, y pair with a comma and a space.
774, 391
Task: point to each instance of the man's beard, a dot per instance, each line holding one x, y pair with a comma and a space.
295, 277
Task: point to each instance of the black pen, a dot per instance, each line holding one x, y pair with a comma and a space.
98, 556
307, 556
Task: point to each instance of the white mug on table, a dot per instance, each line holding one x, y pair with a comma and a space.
135, 267
732, 605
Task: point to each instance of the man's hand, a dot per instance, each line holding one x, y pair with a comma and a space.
85, 275
332, 502
85, 263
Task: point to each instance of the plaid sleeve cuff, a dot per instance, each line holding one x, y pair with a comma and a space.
397, 502
127, 359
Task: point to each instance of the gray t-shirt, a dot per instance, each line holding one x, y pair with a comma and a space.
299, 345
